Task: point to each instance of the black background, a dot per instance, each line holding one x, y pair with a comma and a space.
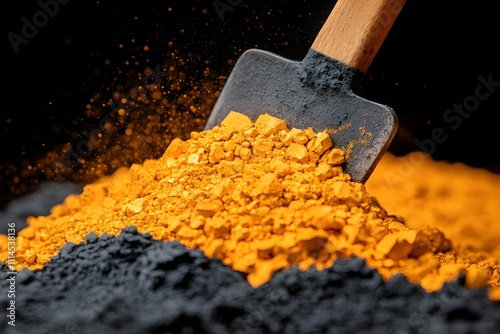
430, 61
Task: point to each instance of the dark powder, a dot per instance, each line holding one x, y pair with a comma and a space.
131, 283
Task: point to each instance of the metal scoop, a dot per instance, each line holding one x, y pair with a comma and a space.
317, 91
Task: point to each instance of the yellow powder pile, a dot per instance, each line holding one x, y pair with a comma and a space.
460, 200
261, 198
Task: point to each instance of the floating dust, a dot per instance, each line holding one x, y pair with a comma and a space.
137, 119
261, 198
140, 107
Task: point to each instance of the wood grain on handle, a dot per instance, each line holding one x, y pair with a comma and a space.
355, 29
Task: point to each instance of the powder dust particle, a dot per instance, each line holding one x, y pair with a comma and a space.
136, 118
261, 198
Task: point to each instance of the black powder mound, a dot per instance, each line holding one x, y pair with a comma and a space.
134, 284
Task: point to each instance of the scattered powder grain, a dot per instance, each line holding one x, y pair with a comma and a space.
261, 198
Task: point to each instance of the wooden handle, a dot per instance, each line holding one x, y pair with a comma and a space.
355, 29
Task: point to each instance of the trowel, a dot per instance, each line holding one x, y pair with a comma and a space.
317, 90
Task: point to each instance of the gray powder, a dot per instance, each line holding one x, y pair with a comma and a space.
134, 284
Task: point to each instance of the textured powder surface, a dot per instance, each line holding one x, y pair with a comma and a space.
134, 284
261, 198
461, 200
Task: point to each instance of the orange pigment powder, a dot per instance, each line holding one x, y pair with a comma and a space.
462, 201
261, 198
